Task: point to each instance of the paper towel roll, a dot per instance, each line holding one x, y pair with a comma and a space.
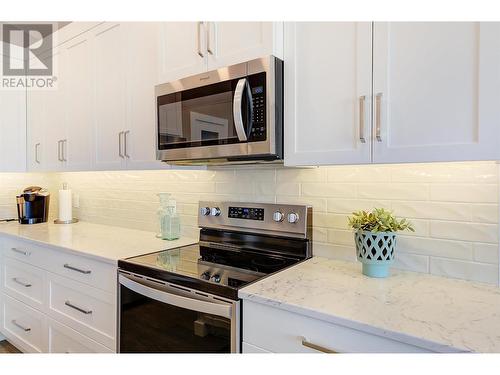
65, 206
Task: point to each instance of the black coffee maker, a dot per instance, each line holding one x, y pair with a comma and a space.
33, 205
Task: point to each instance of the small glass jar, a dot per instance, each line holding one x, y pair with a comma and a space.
170, 225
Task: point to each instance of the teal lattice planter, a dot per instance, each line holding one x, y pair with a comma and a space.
375, 251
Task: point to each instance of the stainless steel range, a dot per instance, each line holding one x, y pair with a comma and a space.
185, 300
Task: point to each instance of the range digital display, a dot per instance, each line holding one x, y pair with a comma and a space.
246, 213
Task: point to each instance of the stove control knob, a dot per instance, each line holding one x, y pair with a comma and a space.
293, 217
205, 275
216, 278
215, 211
205, 211
278, 216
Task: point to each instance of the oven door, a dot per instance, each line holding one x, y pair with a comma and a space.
159, 317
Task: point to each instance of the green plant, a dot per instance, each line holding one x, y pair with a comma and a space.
379, 220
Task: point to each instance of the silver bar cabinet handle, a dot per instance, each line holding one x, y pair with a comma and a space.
317, 347
362, 99
125, 141
59, 150
209, 44
19, 251
82, 310
200, 53
37, 145
70, 267
378, 119
16, 280
64, 148
25, 329
120, 145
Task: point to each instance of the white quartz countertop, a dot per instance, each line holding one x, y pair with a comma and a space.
436, 313
103, 242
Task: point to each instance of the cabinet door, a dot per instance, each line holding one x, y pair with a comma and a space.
53, 120
230, 43
110, 95
76, 62
13, 130
142, 73
437, 86
327, 93
35, 142
183, 50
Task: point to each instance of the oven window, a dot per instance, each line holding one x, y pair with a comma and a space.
149, 326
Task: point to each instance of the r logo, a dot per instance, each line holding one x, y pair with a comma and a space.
31, 41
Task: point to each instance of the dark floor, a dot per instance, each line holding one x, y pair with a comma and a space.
6, 347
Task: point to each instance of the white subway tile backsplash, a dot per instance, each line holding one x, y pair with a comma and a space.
486, 253
464, 231
453, 206
417, 192
411, 262
329, 190
472, 193
482, 272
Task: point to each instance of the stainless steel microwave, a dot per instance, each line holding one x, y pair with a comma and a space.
229, 115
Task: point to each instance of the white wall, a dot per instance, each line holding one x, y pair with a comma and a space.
454, 206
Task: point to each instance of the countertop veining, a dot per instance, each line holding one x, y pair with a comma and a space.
432, 312
103, 242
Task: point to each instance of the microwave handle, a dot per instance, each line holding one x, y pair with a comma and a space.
222, 310
242, 88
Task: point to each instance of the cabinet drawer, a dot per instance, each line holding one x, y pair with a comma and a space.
24, 282
84, 270
63, 339
86, 309
27, 252
23, 325
294, 333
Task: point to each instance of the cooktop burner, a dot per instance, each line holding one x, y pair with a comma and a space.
238, 245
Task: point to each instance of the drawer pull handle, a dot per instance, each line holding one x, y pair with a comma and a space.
16, 280
19, 251
86, 272
317, 347
25, 329
82, 310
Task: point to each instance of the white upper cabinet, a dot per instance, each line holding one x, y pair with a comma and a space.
231, 43
78, 92
183, 50
12, 130
436, 91
327, 93
189, 48
142, 73
110, 95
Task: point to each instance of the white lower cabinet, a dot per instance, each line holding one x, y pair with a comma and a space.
24, 326
269, 329
56, 302
63, 339
91, 311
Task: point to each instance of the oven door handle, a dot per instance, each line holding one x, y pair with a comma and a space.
222, 310
242, 88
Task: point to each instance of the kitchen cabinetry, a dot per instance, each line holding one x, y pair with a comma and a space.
12, 130
327, 93
294, 333
102, 114
52, 301
205, 46
434, 92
